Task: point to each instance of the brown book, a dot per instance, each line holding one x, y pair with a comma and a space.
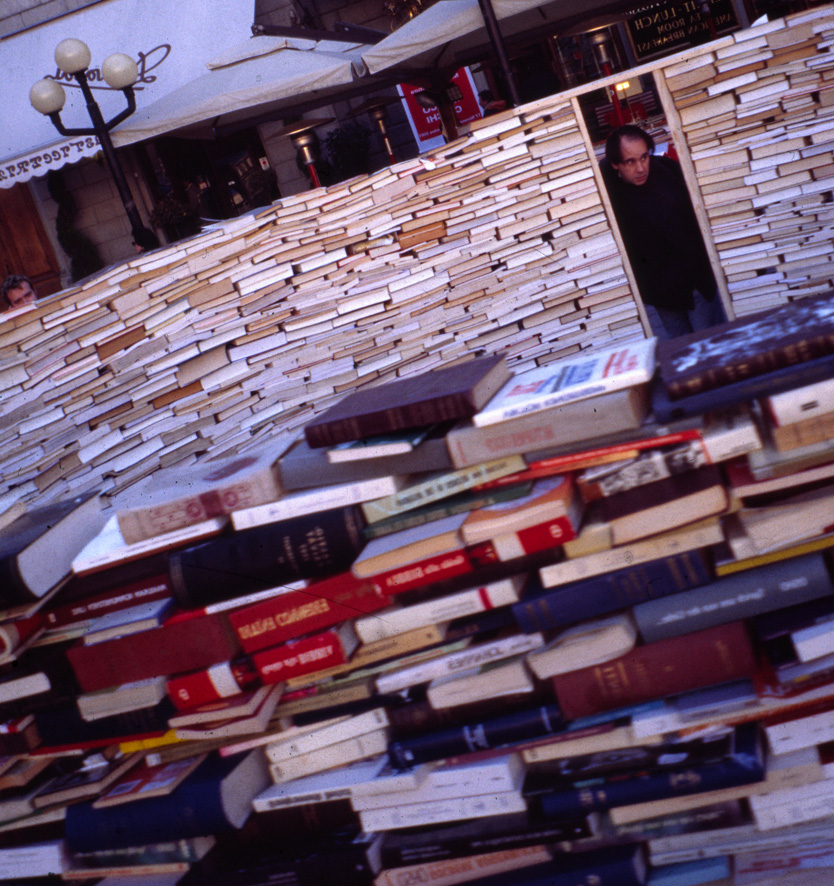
667, 667
186, 644
145, 781
665, 505
452, 392
792, 333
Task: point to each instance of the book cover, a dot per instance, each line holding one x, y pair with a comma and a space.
570, 423
303, 467
239, 704
177, 646
665, 505
801, 403
755, 345
141, 617
119, 699
254, 719
109, 546
333, 756
310, 546
170, 499
734, 597
94, 776
323, 498
571, 378
306, 655
312, 738
549, 498
395, 443
397, 619
543, 609
493, 732
700, 535
651, 671
487, 682
451, 392
144, 781
439, 486
320, 605
214, 798
511, 831
223, 681
37, 549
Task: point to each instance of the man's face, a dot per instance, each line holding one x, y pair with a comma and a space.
634, 165
21, 295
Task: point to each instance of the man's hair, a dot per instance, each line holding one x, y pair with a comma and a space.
14, 281
613, 153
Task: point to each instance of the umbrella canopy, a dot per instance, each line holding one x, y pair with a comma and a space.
443, 34
256, 77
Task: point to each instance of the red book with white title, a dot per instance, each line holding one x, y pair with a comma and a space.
211, 684
306, 655
295, 613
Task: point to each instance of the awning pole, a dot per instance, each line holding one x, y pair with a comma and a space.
497, 41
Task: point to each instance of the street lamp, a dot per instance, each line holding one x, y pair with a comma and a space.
120, 72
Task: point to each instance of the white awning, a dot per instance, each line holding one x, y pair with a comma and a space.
433, 37
253, 78
169, 41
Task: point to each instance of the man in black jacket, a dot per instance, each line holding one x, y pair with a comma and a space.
661, 235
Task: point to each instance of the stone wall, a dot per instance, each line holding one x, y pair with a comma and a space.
501, 241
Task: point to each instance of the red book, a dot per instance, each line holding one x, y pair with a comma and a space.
292, 614
654, 670
437, 568
211, 684
172, 648
154, 587
306, 655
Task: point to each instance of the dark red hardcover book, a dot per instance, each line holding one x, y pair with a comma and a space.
143, 590
318, 606
750, 346
667, 667
451, 392
186, 645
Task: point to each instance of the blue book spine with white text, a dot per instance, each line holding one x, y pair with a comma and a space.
545, 609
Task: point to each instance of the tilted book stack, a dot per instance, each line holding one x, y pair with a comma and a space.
590, 661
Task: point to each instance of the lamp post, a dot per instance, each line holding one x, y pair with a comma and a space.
120, 72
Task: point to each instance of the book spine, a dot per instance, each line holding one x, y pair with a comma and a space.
155, 587
14, 634
473, 867
290, 615
437, 811
312, 546
360, 747
188, 645
809, 401
667, 667
212, 684
613, 591
305, 655
744, 766
456, 662
498, 731
733, 597
450, 844
534, 539
140, 523
313, 739
440, 487
481, 599
428, 571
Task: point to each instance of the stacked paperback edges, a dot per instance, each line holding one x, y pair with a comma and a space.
567, 625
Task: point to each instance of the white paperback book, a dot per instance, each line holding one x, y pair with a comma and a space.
576, 377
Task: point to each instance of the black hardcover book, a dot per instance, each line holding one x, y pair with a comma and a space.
514, 831
494, 732
308, 546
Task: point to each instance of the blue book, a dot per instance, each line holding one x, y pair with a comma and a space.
547, 608
216, 797
784, 379
691, 873
743, 764
737, 596
607, 866
495, 732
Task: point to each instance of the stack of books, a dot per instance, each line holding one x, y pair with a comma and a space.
572, 625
